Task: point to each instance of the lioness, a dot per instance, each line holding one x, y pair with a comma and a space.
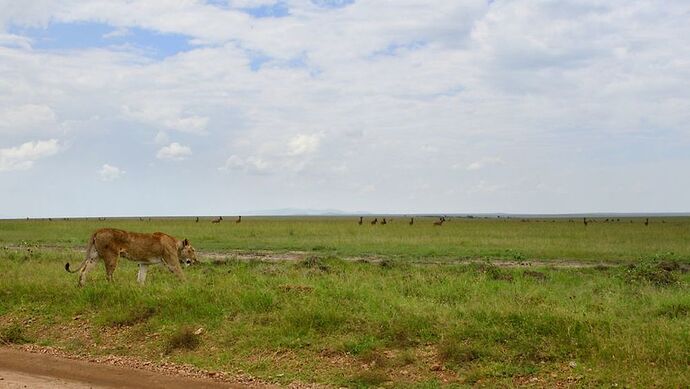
146, 249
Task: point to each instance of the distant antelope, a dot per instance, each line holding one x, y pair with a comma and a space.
239, 219
646, 222
197, 219
411, 221
217, 220
384, 221
440, 221
376, 220
360, 220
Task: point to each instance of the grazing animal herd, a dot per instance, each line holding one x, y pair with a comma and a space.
383, 221
109, 244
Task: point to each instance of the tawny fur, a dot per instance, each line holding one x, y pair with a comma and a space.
109, 244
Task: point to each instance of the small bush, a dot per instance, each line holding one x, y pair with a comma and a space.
539, 276
184, 339
405, 358
652, 270
360, 346
131, 317
13, 334
494, 272
516, 255
457, 352
369, 378
314, 263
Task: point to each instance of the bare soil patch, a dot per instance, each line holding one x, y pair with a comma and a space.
36, 367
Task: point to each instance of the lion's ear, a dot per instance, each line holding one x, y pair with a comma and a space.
185, 242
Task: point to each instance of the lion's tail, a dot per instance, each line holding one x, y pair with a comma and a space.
89, 247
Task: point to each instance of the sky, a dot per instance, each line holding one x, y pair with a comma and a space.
192, 107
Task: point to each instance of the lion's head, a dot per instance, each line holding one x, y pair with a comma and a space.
186, 253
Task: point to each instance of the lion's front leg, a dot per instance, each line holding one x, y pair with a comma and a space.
173, 264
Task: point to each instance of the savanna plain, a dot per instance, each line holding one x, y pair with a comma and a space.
325, 301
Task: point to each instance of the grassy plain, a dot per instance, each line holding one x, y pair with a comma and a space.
395, 322
628, 239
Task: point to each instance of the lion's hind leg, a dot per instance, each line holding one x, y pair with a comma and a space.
88, 266
110, 260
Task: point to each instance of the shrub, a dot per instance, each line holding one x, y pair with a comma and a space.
314, 263
494, 272
652, 270
457, 352
131, 317
13, 334
184, 338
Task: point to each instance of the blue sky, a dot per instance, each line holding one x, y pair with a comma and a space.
231, 107
62, 37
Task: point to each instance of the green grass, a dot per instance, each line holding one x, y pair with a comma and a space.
512, 239
362, 324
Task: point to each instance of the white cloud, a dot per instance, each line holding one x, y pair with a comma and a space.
27, 117
303, 144
174, 151
485, 187
110, 173
253, 165
117, 33
484, 162
161, 138
23, 157
167, 116
15, 40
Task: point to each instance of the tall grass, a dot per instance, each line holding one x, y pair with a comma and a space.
361, 324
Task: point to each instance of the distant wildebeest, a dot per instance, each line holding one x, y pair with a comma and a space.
440, 221
384, 221
584, 220
197, 219
375, 221
360, 220
646, 222
239, 220
411, 221
217, 220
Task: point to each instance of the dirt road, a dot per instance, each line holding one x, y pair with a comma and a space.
21, 369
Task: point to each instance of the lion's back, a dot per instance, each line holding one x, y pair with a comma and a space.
134, 244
